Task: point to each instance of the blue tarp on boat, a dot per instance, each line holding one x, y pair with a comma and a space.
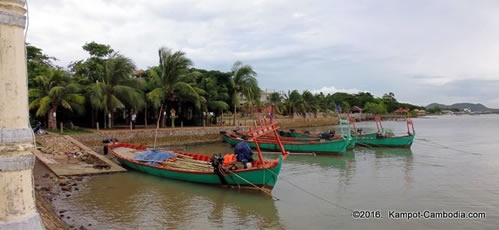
154, 156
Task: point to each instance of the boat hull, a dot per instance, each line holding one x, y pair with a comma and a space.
265, 176
373, 141
329, 146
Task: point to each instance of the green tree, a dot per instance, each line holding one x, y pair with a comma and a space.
116, 88
38, 63
92, 69
52, 89
376, 107
172, 66
98, 50
243, 83
275, 100
214, 93
311, 104
294, 103
362, 98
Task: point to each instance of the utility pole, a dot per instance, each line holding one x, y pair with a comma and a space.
17, 198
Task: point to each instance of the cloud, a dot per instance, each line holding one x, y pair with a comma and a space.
375, 45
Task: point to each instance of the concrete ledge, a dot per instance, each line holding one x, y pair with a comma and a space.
62, 165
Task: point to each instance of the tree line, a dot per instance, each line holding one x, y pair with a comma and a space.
107, 89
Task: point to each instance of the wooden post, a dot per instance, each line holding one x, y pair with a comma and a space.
97, 124
62, 128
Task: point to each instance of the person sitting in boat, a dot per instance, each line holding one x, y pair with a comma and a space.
239, 128
243, 152
332, 133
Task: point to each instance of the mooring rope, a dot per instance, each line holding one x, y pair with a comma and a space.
447, 147
261, 189
310, 193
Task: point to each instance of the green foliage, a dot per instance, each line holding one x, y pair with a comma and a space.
294, 103
243, 83
116, 88
38, 63
98, 50
111, 83
54, 89
378, 108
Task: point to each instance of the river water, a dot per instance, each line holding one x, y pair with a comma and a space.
453, 166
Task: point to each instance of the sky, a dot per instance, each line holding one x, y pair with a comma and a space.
424, 51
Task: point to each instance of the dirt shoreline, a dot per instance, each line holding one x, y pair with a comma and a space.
50, 187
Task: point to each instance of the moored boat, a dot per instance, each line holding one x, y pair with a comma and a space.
384, 137
200, 168
338, 145
344, 133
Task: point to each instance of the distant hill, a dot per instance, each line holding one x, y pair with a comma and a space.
474, 107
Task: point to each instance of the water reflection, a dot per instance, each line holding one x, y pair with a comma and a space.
342, 161
133, 200
395, 159
425, 177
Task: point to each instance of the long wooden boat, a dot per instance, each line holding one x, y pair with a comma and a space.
384, 138
344, 133
200, 168
315, 146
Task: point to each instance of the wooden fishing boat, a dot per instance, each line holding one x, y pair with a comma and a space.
343, 126
312, 146
383, 137
199, 168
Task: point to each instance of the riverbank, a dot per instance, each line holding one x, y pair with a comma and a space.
49, 187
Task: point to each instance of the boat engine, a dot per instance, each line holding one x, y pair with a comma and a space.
217, 160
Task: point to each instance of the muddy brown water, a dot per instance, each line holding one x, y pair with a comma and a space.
452, 167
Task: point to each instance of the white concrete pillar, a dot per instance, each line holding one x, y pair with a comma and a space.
17, 199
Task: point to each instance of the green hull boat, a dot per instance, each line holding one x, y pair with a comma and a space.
262, 174
344, 128
376, 140
384, 138
320, 146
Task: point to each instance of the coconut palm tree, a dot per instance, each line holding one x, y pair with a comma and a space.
169, 85
311, 104
275, 100
294, 103
53, 89
117, 88
243, 82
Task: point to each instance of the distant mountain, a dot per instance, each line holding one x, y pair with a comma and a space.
461, 106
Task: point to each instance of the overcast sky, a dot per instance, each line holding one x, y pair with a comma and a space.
424, 51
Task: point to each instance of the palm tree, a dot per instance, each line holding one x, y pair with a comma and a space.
275, 100
243, 82
212, 94
116, 88
53, 89
150, 77
294, 103
169, 85
311, 104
